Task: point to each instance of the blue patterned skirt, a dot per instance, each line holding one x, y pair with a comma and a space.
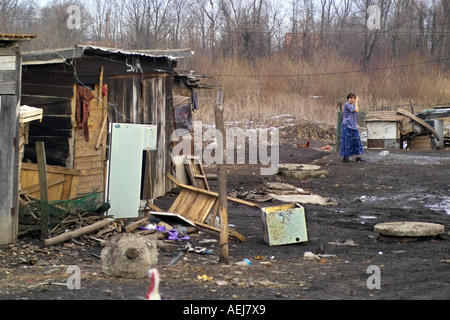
350, 142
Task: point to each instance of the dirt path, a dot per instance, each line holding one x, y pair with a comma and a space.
402, 186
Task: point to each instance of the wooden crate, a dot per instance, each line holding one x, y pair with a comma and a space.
421, 143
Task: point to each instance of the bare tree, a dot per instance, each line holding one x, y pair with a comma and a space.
208, 27
16, 16
56, 27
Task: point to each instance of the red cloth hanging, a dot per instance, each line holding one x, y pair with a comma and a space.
84, 96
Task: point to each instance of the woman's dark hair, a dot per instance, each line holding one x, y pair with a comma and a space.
351, 95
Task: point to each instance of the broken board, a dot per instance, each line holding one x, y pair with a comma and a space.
195, 172
173, 217
419, 121
201, 206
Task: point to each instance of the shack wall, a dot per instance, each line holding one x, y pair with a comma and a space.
139, 90
10, 64
50, 87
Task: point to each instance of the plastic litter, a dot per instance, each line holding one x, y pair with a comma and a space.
174, 234
200, 250
244, 262
152, 226
176, 256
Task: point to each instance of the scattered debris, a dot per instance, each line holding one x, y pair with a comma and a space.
348, 242
77, 233
244, 263
201, 206
283, 192
310, 256
301, 171
306, 199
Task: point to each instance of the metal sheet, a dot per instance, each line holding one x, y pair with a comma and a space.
284, 224
382, 130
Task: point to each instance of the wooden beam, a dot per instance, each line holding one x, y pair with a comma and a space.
419, 121
43, 187
77, 233
210, 193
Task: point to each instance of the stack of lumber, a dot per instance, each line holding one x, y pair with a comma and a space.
28, 114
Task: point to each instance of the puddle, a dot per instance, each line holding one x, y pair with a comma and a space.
367, 217
444, 205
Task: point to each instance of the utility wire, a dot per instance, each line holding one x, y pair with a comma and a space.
329, 73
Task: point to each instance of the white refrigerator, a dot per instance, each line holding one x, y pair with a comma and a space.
124, 168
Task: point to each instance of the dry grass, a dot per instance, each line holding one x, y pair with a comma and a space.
259, 95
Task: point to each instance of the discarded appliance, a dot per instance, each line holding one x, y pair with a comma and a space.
284, 224
124, 171
438, 125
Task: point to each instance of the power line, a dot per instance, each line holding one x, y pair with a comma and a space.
329, 73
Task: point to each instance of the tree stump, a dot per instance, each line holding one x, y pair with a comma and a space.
129, 256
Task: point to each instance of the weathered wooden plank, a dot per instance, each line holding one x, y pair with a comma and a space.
55, 132
48, 74
9, 128
29, 172
51, 182
7, 63
90, 184
214, 212
382, 116
119, 65
211, 193
61, 122
55, 106
60, 186
199, 206
73, 187
93, 163
48, 90
91, 171
8, 75
8, 88
86, 151
184, 194
43, 188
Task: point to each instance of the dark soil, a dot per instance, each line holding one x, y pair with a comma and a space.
405, 185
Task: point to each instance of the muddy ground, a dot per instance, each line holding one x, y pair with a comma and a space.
405, 185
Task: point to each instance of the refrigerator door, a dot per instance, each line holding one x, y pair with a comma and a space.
124, 170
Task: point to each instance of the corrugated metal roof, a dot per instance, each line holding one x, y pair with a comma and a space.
60, 55
14, 37
171, 54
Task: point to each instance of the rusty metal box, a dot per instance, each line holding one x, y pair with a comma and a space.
284, 224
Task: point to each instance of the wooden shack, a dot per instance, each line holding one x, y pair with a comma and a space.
10, 66
84, 88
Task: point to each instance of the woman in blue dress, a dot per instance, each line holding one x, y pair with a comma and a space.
350, 139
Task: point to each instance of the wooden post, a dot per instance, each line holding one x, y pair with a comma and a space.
222, 181
338, 127
43, 187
